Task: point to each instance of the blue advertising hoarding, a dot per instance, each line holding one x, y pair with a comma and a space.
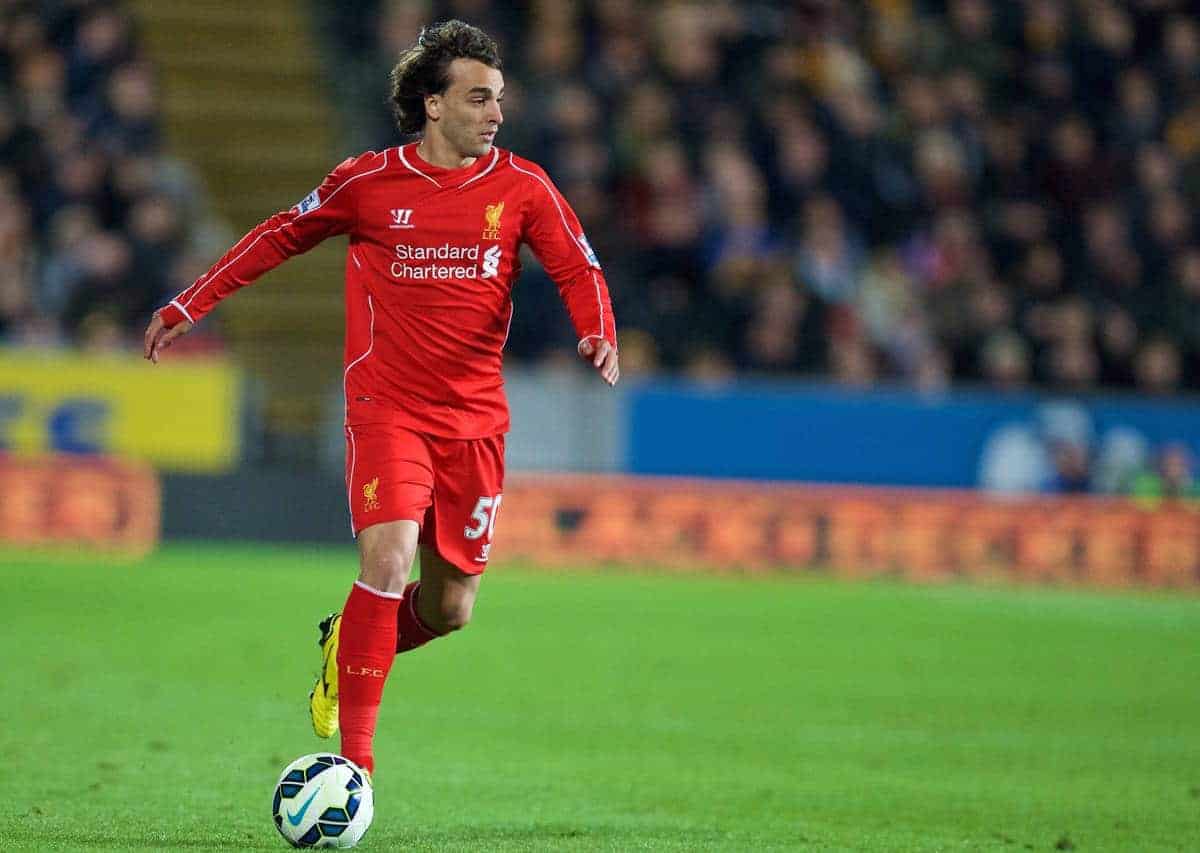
817, 433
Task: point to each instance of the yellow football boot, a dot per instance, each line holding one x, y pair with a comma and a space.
323, 701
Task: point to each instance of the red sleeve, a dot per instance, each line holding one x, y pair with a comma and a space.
556, 237
326, 211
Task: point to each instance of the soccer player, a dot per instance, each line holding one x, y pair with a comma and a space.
435, 228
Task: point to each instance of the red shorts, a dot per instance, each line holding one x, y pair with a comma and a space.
451, 487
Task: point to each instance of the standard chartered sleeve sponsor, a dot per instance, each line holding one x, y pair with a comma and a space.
424, 262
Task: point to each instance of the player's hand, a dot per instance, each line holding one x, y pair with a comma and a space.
603, 357
159, 337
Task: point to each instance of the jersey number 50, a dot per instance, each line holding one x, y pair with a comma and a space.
484, 516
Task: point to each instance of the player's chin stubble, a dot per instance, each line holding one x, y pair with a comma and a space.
475, 147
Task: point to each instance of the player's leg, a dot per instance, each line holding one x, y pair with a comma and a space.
437, 604
389, 483
366, 648
456, 541
448, 593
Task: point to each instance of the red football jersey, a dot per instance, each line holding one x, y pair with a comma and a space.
429, 275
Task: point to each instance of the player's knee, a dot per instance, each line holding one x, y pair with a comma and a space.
456, 616
387, 566
451, 614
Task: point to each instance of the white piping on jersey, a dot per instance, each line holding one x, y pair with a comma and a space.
588, 338
354, 258
370, 346
350, 475
253, 242
599, 302
512, 308
182, 310
567, 228
404, 160
349, 431
490, 166
557, 206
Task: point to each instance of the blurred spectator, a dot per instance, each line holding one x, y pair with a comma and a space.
1072, 468
1138, 117
740, 232
1005, 361
1180, 58
852, 362
709, 365
785, 330
1183, 300
1072, 367
1121, 458
1067, 433
1172, 478
1077, 169
1118, 344
829, 259
1158, 367
16, 263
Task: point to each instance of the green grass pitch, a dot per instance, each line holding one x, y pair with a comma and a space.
152, 705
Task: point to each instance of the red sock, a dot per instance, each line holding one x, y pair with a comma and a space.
364, 658
411, 632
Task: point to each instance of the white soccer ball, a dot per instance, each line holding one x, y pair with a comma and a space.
323, 800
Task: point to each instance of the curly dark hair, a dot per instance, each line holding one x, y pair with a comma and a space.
424, 69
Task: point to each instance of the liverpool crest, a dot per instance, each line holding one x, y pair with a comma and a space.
370, 498
491, 218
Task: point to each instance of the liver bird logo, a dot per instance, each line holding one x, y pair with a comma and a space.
370, 500
491, 216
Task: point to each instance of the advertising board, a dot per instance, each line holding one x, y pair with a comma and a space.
79, 502
180, 416
917, 534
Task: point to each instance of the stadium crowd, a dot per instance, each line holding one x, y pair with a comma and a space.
890, 190
97, 224
908, 191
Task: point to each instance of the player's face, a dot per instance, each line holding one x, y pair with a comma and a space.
470, 108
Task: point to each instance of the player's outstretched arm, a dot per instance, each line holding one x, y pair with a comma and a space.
159, 336
328, 210
603, 357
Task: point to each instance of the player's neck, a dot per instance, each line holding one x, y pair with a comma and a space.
436, 151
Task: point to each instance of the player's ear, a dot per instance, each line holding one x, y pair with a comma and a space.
433, 106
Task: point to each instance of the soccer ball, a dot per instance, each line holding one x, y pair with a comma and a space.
323, 800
